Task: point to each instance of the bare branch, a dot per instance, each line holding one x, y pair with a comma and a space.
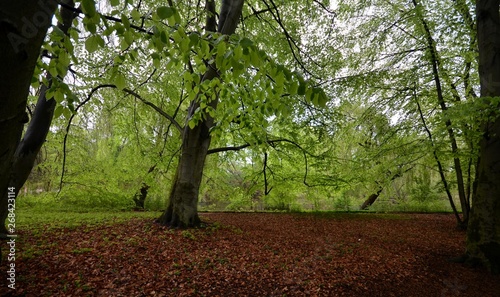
159, 110
89, 96
270, 142
65, 141
291, 42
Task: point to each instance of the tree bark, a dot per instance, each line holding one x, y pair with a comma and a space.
371, 199
182, 209
374, 196
23, 26
483, 235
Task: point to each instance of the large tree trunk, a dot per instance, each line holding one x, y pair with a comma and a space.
182, 210
23, 26
483, 235
38, 128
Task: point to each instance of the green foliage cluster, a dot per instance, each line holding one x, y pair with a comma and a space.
344, 92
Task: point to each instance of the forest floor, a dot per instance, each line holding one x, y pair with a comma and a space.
249, 254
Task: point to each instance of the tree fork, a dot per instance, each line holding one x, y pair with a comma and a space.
182, 209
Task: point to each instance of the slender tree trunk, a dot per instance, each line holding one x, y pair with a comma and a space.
460, 223
23, 26
371, 199
182, 209
483, 235
451, 133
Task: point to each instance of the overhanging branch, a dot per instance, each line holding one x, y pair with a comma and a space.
89, 96
159, 110
270, 142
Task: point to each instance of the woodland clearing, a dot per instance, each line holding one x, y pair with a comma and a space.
250, 254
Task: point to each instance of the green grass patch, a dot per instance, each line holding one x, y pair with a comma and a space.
35, 219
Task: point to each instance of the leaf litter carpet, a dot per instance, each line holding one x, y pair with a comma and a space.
251, 254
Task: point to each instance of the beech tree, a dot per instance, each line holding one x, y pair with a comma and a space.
483, 234
183, 200
210, 62
232, 65
23, 27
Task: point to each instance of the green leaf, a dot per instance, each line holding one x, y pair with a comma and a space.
120, 81
62, 69
53, 68
255, 59
322, 98
114, 2
93, 42
205, 49
245, 42
302, 89
280, 79
136, 15
58, 111
35, 83
119, 29
125, 21
67, 113
58, 32
193, 39
177, 17
221, 49
91, 27
309, 95
164, 37
184, 45
293, 88
59, 95
238, 52
187, 77
119, 59
129, 37
164, 12
88, 7
156, 60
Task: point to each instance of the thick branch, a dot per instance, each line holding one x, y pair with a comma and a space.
211, 23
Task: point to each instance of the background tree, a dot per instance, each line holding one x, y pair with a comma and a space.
429, 70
